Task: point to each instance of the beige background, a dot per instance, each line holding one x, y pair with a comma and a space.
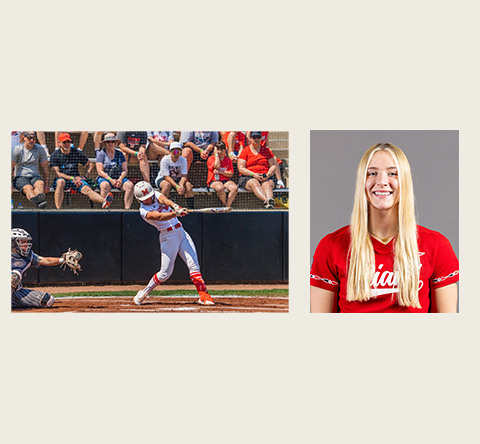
238, 378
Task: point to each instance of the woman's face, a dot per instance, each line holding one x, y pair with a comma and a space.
24, 245
381, 186
256, 140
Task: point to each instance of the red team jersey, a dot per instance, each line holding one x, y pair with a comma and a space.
239, 140
225, 165
257, 163
439, 267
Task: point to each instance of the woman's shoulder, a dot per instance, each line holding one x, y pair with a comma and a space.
119, 154
431, 237
333, 244
246, 152
265, 151
428, 233
340, 236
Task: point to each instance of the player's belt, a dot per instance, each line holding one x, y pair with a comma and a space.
171, 228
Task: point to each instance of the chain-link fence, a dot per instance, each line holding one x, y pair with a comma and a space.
89, 143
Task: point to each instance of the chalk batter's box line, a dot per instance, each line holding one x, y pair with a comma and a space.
173, 297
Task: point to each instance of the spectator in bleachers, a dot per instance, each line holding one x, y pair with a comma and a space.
17, 137
264, 143
97, 139
173, 173
158, 144
64, 162
82, 142
257, 165
27, 157
220, 173
198, 145
263, 138
235, 141
134, 146
112, 169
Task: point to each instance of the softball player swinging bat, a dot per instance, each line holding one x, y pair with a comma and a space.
162, 213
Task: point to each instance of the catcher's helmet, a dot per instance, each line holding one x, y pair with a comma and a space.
143, 190
20, 234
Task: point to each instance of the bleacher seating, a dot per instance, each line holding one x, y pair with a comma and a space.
197, 175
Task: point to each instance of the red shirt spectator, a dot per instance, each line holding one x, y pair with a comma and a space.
263, 141
225, 165
222, 183
257, 163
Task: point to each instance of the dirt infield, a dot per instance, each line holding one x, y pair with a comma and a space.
163, 304
76, 289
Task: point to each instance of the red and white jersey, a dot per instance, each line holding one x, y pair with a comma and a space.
225, 165
439, 267
240, 140
160, 225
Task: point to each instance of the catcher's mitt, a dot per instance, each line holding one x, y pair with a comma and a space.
16, 278
71, 259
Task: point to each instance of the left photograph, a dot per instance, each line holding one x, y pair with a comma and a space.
149, 221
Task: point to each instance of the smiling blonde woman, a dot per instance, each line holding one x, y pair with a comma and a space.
383, 261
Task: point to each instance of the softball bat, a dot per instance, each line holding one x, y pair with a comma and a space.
212, 210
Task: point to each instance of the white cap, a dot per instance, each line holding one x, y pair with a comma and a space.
175, 145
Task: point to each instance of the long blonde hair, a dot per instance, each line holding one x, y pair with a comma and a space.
361, 268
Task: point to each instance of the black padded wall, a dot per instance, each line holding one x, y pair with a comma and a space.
120, 247
97, 234
243, 246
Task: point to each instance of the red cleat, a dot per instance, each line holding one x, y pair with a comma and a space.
205, 298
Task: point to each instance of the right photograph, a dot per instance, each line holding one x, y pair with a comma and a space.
384, 221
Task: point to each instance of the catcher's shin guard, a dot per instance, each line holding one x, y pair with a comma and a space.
47, 301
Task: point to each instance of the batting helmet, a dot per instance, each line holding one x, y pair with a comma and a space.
19, 234
143, 190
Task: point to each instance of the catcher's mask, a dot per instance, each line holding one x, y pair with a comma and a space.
21, 241
143, 191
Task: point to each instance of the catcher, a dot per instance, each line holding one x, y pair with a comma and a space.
23, 258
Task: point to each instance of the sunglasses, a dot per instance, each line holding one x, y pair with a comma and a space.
30, 137
110, 141
256, 137
67, 141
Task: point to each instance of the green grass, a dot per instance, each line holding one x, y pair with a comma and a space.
279, 292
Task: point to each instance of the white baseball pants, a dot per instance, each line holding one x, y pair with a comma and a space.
177, 242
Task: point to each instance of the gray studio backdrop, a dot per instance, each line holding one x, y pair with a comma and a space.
434, 160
